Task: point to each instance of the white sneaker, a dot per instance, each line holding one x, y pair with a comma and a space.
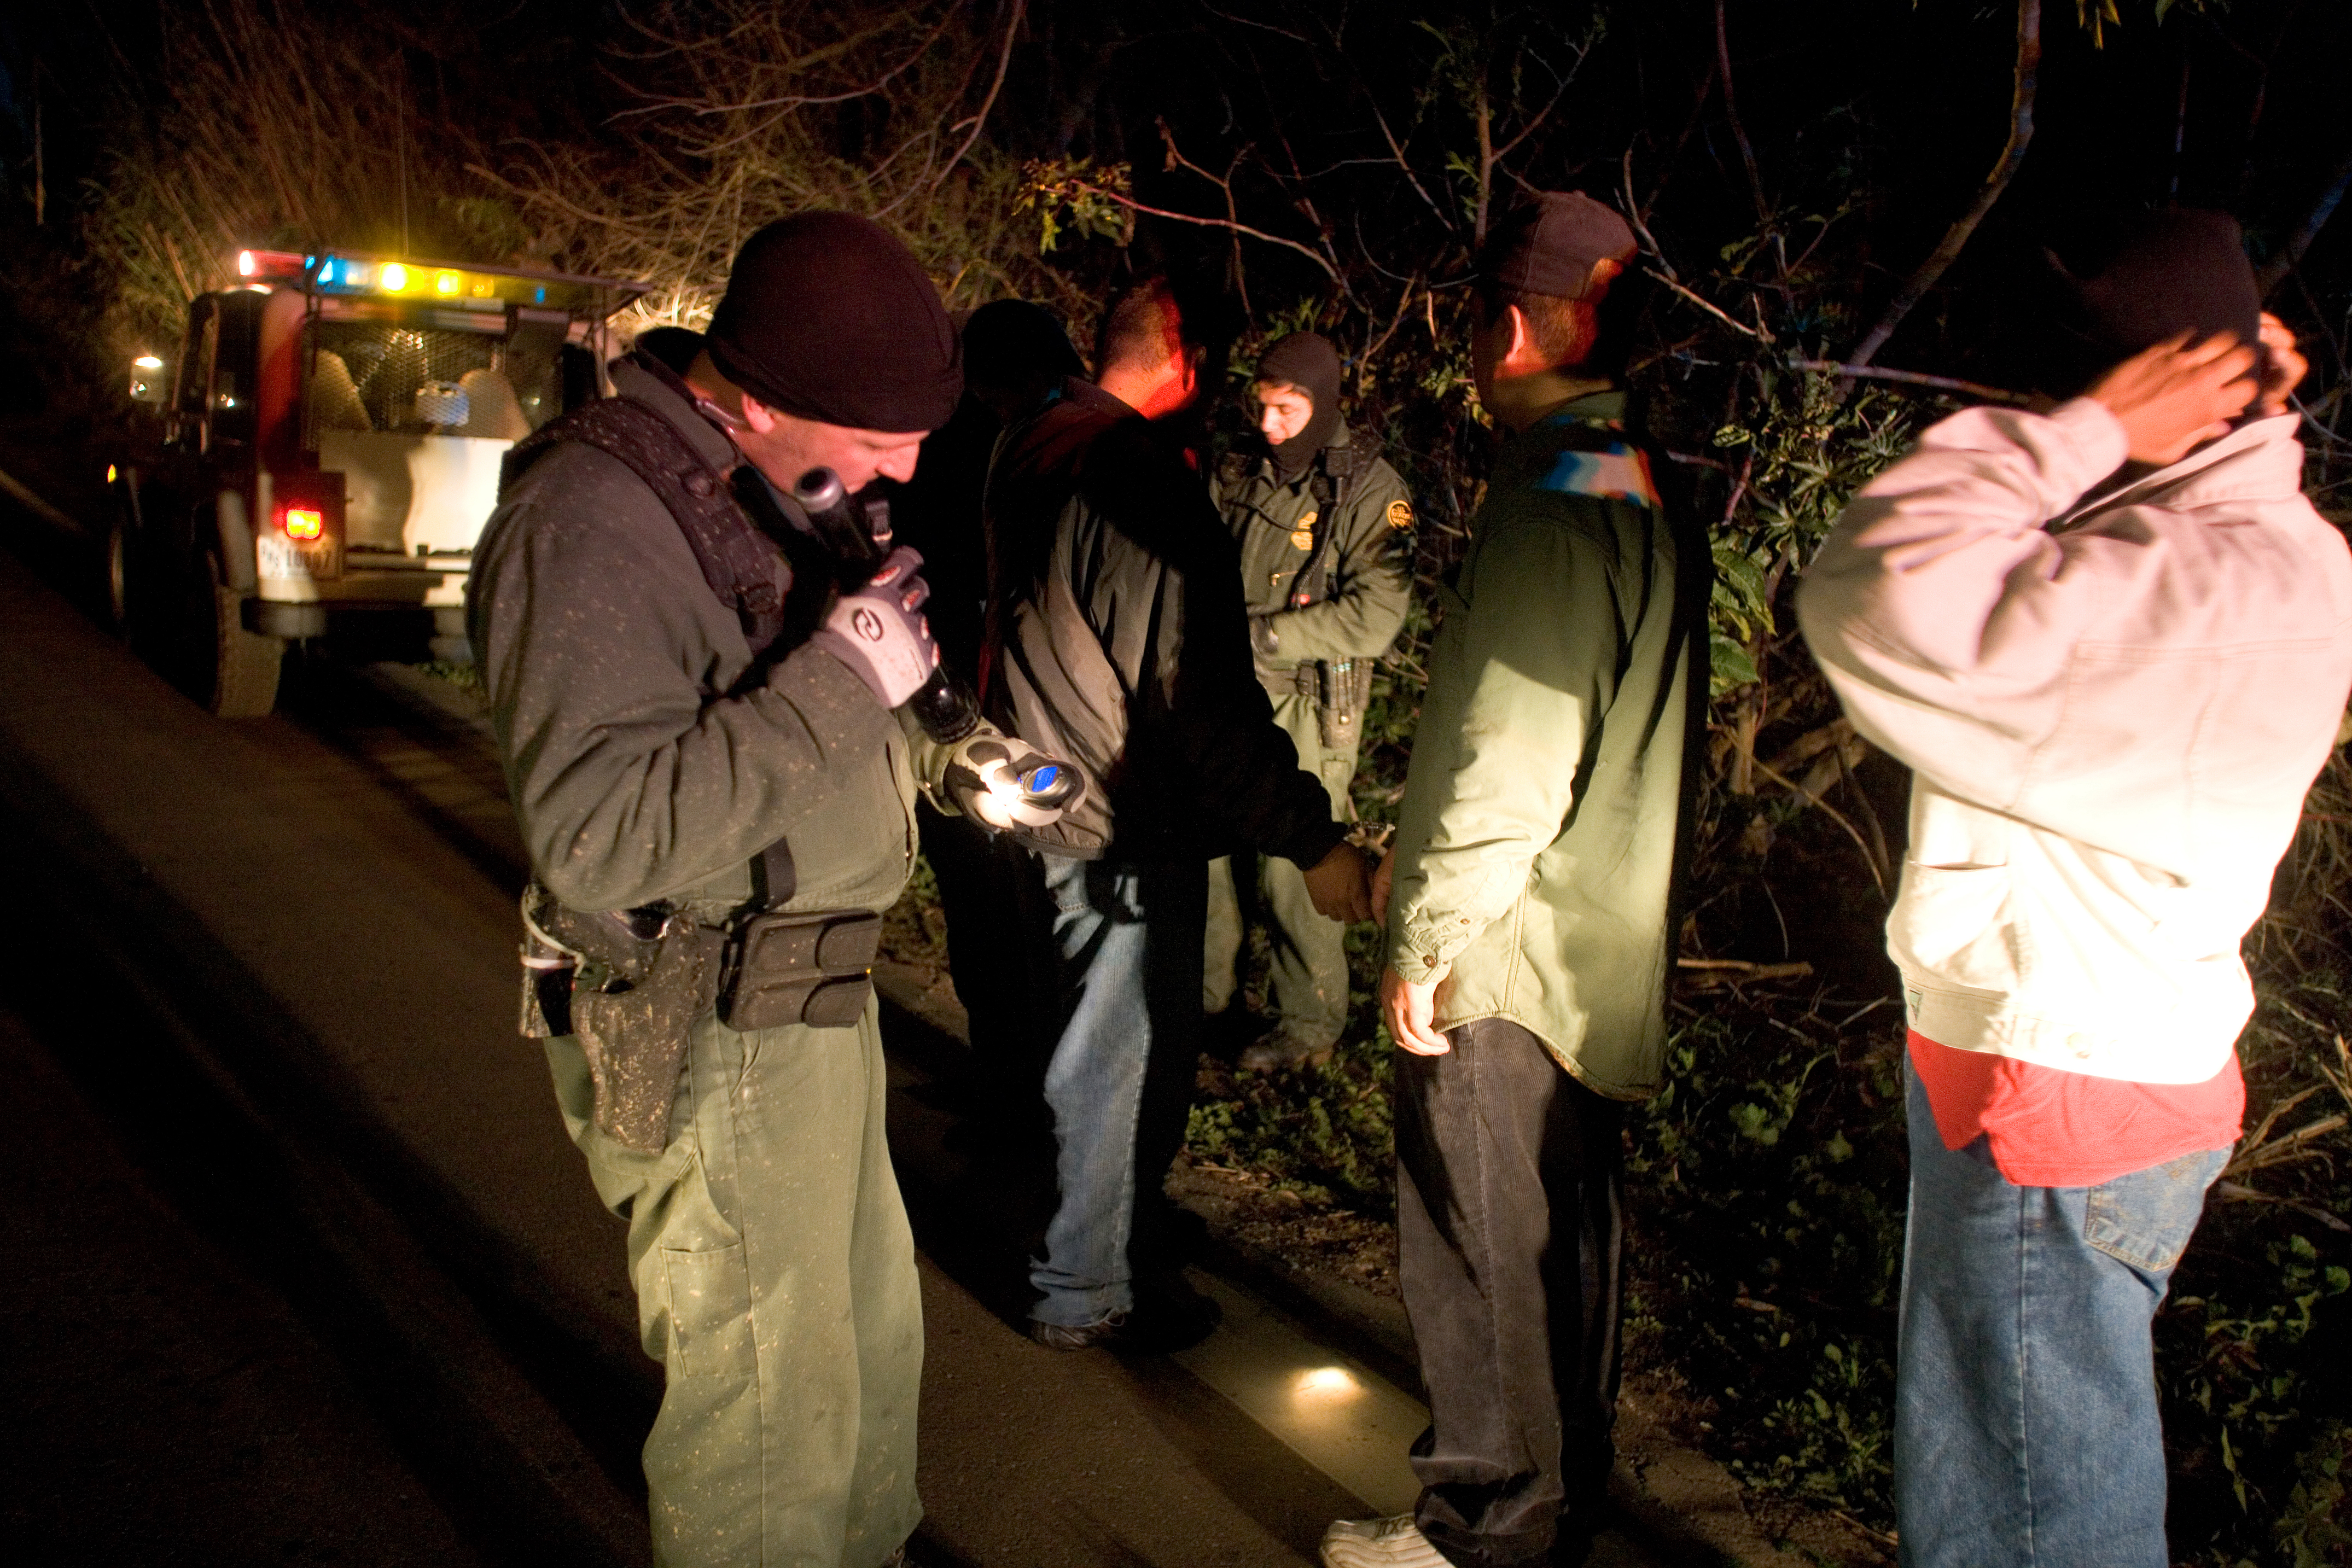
1379, 1543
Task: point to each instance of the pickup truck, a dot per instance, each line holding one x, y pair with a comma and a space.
327, 451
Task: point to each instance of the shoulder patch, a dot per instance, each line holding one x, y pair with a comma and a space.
1617, 472
1399, 513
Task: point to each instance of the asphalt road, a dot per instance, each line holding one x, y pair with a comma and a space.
309, 928
179, 1376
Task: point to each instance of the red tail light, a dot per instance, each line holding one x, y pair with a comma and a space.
304, 522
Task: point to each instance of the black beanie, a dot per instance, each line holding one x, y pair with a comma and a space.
2161, 274
1308, 361
830, 317
1008, 339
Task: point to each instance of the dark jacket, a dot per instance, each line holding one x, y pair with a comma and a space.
645, 755
1362, 553
1116, 638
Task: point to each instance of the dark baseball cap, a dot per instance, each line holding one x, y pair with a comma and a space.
2180, 270
2135, 281
1552, 244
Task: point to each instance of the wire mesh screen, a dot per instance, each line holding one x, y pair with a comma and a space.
366, 375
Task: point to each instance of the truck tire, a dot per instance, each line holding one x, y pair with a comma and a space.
188, 626
118, 568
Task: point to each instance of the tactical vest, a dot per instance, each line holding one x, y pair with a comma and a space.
774, 578
1331, 480
777, 580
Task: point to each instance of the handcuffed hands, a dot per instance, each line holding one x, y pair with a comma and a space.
1338, 886
880, 634
1003, 782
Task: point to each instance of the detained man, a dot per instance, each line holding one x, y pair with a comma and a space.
2113, 642
1529, 929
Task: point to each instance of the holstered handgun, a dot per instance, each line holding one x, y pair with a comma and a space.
639, 979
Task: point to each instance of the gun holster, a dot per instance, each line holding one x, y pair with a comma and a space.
809, 969
637, 979
628, 986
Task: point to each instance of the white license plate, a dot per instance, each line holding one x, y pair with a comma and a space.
285, 558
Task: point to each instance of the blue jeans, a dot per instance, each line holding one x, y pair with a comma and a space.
2025, 1418
1120, 1077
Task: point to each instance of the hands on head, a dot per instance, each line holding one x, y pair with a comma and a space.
2284, 371
2178, 394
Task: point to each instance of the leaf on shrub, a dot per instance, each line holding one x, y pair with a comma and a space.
1755, 1122
1729, 665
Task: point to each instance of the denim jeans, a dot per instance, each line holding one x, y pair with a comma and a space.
2025, 1418
1510, 1241
1119, 1080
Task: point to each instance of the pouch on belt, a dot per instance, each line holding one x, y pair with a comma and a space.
814, 969
629, 985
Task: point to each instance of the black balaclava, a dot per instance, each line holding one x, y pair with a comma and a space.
2162, 273
829, 318
1308, 361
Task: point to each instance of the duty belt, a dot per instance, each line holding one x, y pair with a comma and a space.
1298, 681
630, 985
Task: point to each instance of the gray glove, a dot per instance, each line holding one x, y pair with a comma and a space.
1002, 782
880, 634
1265, 640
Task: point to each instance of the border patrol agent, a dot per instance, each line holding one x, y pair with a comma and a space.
1530, 934
1326, 535
717, 796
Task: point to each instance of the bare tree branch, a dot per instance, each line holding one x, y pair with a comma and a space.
2274, 270
1913, 378
2021, 132
1759, 333
1124, 200
996, 86
1731, 113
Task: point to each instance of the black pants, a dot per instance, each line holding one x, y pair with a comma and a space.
999, 935
1509, 1176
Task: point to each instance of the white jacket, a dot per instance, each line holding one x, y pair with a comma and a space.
2113, 709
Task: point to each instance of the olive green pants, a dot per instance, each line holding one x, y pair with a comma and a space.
1310, 956
775, 1279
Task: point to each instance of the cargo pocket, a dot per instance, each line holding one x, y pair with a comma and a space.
709, 1312
2145, 1218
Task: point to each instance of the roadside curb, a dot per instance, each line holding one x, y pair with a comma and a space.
1682, 1504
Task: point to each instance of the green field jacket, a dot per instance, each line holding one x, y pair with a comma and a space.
648, 754
1365, 553
1535, 851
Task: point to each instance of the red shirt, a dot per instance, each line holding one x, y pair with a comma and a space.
2051, 1128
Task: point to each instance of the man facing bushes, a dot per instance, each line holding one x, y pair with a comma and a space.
1528, 939
2113, 642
